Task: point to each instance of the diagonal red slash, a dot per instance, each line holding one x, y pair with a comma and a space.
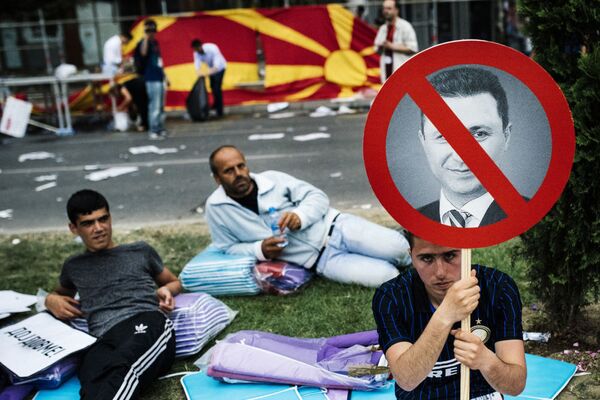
461, 140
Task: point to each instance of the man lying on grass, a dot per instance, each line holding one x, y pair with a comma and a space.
119, 299
418, 318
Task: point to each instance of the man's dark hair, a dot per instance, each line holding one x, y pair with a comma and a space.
410, 238
85, 202
127, 35
211, 159
196, 43
150, 25
470, 81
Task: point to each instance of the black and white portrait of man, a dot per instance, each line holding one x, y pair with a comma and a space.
505, 119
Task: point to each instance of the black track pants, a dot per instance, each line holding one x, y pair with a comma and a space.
128, 357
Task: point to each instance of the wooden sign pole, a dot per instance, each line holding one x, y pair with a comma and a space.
465, 325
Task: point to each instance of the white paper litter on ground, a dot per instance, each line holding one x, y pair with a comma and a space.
45, 178
6, 214
159, 171
537, 336
152, 149
335, 175
274, 107
322, 111
16, 241
36, 155
312, 136
266, 136
344, 109
282, 115
110, 173
91, 167
45, 186
13, 302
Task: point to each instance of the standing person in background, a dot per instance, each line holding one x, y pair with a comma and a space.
150, 66
210, 54
396, 40
112, 53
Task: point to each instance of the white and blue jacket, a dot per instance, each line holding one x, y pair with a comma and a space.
237, 230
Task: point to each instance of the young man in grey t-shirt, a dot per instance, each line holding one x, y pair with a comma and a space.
119, 299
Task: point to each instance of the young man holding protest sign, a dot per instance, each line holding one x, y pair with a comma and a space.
119, 299
417, 317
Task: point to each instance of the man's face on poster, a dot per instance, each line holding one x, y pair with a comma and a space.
479, 114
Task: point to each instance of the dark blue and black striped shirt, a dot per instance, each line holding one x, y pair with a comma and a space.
402, 310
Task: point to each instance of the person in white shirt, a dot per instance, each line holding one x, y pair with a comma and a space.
112, 54
479, 101
396, 40
210, 54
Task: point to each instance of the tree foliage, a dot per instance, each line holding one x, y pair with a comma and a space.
563, 250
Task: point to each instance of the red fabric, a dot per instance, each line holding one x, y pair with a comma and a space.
238, 44
279, 52
311, 21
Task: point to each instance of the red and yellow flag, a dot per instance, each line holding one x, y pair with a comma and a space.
313, 52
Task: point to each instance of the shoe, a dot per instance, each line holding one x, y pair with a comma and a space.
155, 136
163, 133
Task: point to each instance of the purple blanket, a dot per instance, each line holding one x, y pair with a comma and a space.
266, 357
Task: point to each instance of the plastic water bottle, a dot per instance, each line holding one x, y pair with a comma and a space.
274, 224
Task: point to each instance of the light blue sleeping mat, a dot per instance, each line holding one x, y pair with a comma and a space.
67, 391
546, 378
199, 386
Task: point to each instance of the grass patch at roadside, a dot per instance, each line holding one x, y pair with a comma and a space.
323, 308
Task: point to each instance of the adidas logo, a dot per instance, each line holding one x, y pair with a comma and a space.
141, 328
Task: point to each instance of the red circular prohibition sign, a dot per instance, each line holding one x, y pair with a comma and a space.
411, 79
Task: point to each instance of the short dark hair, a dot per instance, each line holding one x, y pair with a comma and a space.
127, 35
410, 237
85, 202
196, 43
470, 81
211, 159
150, 25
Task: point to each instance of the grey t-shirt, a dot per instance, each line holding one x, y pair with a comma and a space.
113, 284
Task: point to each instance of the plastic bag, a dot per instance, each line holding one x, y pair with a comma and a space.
280, 277
121, 121
52, 377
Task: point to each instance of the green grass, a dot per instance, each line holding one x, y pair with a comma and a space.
323, 308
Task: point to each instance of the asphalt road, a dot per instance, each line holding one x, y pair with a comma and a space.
173, 186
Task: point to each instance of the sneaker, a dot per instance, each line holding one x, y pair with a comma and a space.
155, 136
163, 133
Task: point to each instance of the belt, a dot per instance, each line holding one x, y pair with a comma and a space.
314, 267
